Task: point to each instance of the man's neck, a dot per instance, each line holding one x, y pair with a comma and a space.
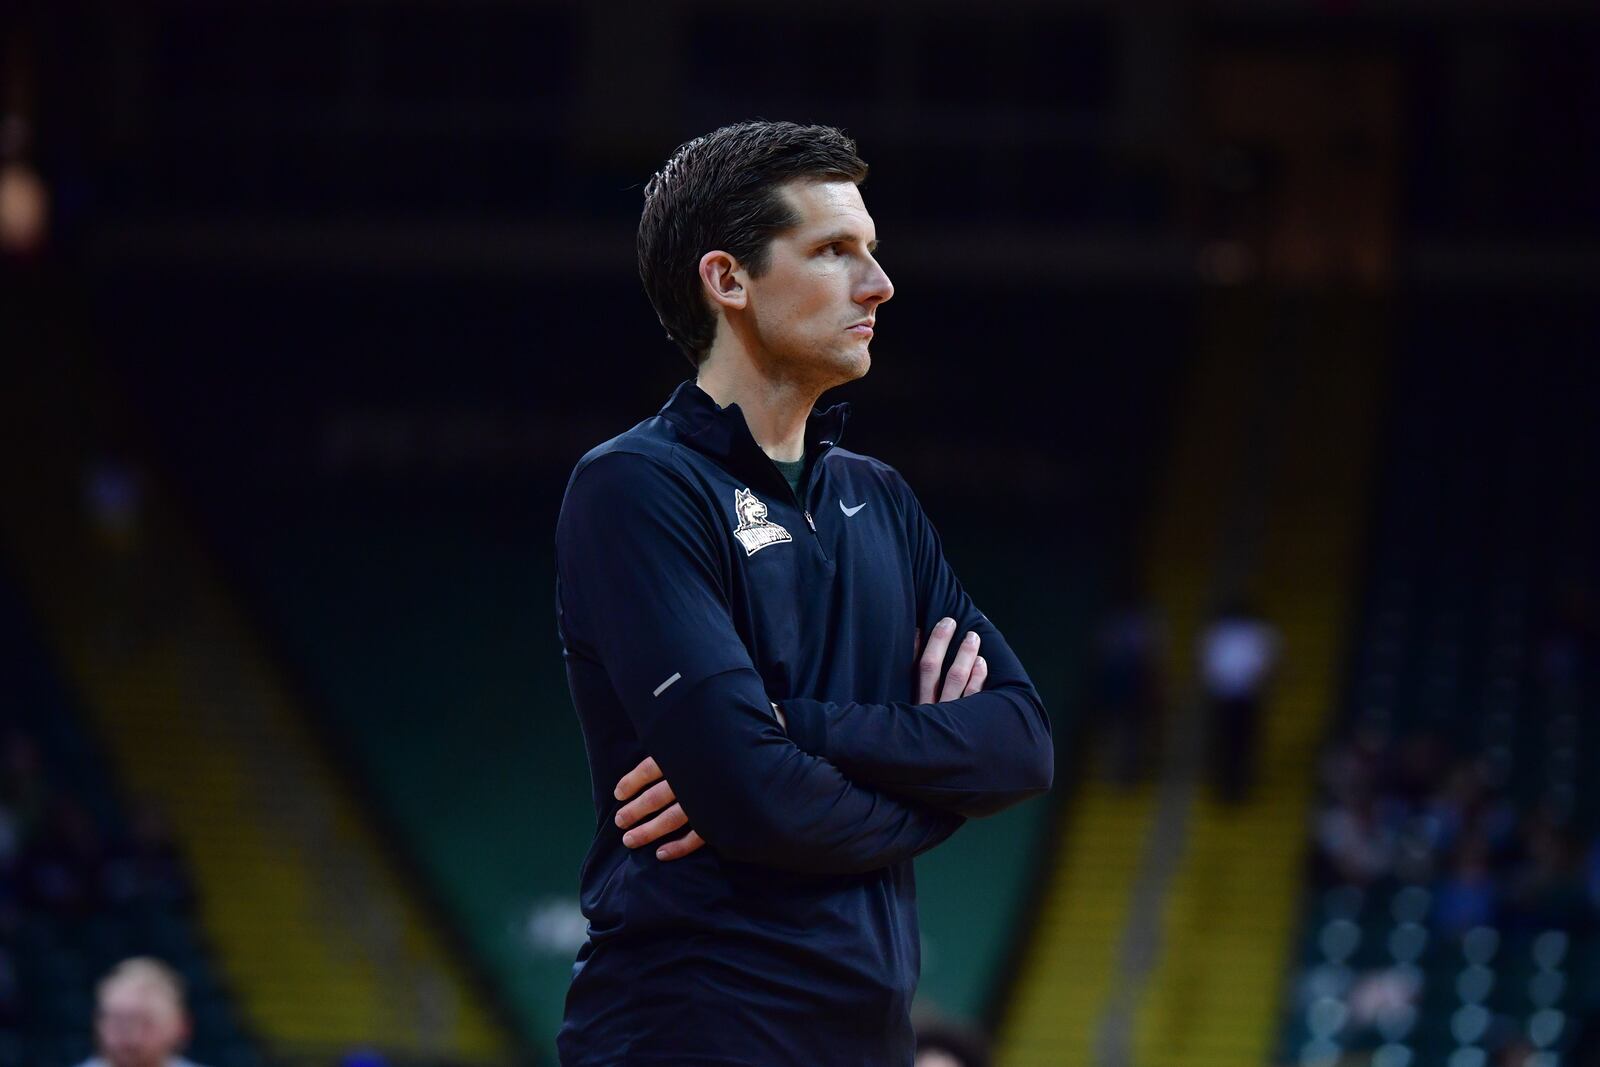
774, 410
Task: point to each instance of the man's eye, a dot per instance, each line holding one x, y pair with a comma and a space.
834, 249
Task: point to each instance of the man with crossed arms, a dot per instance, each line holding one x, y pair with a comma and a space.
741, 603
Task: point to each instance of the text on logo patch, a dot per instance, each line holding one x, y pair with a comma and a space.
754, 531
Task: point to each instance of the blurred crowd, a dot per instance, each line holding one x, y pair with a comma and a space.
1419, 814
1497, 832
60, 868
57, 859
1457, 869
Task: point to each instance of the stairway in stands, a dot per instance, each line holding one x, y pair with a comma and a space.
1164, 930
322, 940
1073, 982
1213, 1000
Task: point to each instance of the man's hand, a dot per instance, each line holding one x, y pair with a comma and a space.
649, 802
659, 805
967, 671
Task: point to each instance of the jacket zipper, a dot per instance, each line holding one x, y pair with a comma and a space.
800, 504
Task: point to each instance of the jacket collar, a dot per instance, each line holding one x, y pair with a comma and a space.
723, 434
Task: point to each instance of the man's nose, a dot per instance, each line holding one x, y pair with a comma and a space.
876, 287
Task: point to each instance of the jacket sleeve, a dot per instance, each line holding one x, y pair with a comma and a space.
641, 588
973, 756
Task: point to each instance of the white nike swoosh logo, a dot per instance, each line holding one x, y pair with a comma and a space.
851, 511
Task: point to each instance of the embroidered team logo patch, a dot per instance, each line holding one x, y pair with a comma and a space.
754, 531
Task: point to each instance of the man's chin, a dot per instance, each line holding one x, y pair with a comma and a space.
863, 364
854, 364
825, 370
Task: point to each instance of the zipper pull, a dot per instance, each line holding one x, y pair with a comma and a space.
809, 523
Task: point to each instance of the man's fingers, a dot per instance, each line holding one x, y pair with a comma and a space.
980, 671
961, 667
933, 659
669, 821
650, 801
676, 850
637, 779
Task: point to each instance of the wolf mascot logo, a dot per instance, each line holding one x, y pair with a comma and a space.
754, 531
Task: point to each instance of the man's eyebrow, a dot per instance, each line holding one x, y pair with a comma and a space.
845, 235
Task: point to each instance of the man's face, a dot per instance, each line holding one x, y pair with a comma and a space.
809, 311
138, 1025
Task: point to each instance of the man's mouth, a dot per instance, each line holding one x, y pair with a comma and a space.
862, 328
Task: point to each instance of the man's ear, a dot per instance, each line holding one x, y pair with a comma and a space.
723, 280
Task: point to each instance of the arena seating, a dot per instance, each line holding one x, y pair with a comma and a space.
84, 882
1451, 917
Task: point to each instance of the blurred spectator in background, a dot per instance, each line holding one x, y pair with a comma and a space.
1383, 995
1238, 652
1128, 687
1419, 765
63, 865
941, 1044
1467, 894
141, 1019
146, 868
1357, 842
24, 200
1466, 804
1545, 889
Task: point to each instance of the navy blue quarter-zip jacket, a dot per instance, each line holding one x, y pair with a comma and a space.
694, 589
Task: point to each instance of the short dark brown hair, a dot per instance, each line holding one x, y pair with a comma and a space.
721, 191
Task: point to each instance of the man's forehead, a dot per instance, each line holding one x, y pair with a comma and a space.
828, 206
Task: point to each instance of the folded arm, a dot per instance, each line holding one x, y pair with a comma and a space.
651, 810
640, 589
973, 755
